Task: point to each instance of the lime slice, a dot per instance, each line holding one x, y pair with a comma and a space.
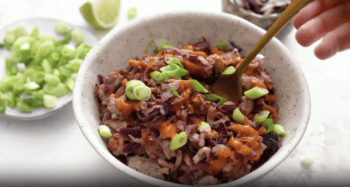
102, 14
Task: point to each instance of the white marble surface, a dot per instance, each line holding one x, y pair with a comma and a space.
53, 151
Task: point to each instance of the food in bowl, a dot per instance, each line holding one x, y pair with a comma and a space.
262, 13
263, 7
159, 117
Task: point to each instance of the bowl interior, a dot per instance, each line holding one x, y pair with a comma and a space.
120, 45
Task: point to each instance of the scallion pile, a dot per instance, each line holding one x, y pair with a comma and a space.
41, 68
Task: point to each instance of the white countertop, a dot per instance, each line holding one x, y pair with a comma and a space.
53, 151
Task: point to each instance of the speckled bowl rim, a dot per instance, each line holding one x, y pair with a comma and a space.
105, 154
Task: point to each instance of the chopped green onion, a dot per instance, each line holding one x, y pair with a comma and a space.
157, 76
56, 90
268, 124
198, 86
104, 131
50, 101
22, 30
129, 88
66, 40
74, 64
82, 50
229, 70
10, 38
46, 65
38, 65
204, 126
261, 116
175, 61
48, 37
222, 46
132, 12
77, 36
21, 66
307, 161
142, 92
35, 32
237, 116
70, 84
61, 28
215, 98
23, 107
174, 71
150, 43
173, 90
74, 76
279, 129
256, 92
178, 141
52, 79
43, 50
11, 100
30, 86
162, 44
2, 103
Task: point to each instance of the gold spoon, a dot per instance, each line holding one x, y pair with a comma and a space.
230, 86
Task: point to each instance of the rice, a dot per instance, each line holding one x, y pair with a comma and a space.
142, 130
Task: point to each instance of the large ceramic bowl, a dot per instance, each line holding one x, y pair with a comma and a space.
120, 45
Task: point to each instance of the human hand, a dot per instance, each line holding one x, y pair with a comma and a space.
327, 19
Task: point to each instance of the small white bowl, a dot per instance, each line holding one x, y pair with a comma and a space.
120, 45
263, 21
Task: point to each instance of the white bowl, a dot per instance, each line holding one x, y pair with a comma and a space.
263, 21
120, 45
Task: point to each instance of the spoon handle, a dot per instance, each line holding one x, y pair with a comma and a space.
286, 15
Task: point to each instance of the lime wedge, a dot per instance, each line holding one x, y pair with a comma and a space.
102, 14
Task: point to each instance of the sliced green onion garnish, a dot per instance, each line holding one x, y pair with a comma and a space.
21, 66
178, 141
132, 12
214, 98
237, 116
31, 86
307, 161
2, 103
11, 100
52, 79
150, 43
173, 70
70, 84
162, 44
175, 61
279, 129
222, 46
142, 92
261, 116
35, 32
268, 124
46, 65
104, 131
129, 88
204, 126
229, 70
173, 90
61, 28
77, 36
198, 86
50, 101
157, 76
256, 92
22, 106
